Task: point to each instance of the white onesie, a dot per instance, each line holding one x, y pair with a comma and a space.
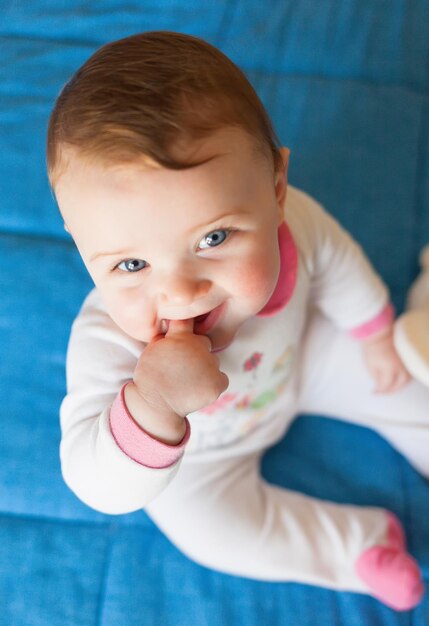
300, 353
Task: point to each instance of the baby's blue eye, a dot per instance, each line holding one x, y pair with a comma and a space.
132, 265
215, 238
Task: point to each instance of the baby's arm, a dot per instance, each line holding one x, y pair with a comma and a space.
98, 459
348, 290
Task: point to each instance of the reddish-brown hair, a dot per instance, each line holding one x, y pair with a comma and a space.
142, 95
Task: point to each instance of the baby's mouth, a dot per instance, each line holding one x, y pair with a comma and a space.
202, 323
201, 318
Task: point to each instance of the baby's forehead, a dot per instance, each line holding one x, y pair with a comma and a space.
223, 170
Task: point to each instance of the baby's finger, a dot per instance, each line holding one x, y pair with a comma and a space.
176, 327
392, 383
402, 379
383, 383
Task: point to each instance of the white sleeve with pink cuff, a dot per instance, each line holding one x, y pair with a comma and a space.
139, 445
344, 285
107, 460
376, 325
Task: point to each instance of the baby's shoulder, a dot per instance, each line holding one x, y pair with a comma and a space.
304, 217
301, 209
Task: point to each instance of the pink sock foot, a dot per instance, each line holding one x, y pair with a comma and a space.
392, 574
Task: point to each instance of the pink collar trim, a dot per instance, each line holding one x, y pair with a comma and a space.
288, 273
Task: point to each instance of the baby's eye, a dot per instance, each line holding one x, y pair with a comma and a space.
215, 238
131, 265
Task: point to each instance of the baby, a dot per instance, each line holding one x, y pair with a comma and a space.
225, 303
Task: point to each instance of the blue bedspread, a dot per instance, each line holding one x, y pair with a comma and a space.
346, 83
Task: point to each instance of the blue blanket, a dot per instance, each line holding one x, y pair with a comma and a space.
346, 83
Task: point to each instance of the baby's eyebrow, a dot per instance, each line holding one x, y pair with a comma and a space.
225, 216
100, 254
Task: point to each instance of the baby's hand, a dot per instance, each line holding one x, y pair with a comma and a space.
384, 364
177, 373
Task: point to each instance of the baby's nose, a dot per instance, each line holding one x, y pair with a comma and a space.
184, 289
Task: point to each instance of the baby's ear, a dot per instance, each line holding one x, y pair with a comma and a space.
285, 154
281, 179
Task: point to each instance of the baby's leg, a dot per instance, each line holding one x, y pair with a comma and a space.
336, 383
223, 515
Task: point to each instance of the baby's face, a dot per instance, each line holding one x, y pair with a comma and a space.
165, 245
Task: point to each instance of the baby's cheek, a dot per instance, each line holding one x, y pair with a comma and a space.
256, 281
126, 313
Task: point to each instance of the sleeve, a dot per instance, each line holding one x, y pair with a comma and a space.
344, 285
139, 445
107, 460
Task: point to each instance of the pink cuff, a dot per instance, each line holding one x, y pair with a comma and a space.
137, 443
376, 325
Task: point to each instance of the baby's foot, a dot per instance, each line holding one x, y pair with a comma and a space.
392, 574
